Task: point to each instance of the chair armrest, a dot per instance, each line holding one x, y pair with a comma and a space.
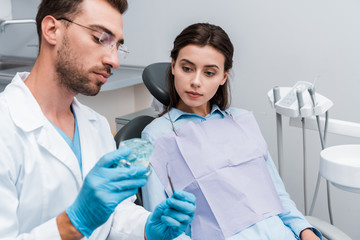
329, 231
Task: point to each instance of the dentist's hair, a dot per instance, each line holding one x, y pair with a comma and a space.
203, 34
68, 9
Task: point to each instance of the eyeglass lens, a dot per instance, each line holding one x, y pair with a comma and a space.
108, 40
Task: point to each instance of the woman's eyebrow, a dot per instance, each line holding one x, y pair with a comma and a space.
193, 64
187, 61
211, 66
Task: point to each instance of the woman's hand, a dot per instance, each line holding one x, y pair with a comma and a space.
308, 234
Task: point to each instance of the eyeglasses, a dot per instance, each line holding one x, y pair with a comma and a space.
106, 39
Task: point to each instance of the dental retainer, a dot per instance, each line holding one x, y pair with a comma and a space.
141, 151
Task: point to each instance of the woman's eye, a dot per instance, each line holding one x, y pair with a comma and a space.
209, 74
186, 69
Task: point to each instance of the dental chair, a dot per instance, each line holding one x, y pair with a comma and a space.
154, 77
132, 129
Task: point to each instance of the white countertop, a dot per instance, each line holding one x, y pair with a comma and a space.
124, 76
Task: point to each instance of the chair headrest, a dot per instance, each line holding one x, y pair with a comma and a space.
155, 79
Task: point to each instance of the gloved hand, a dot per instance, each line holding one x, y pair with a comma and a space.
171, 217
103, 189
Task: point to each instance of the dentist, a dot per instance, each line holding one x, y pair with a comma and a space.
57, 156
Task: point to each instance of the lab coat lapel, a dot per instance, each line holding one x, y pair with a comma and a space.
27, 115
88, 136
53, 142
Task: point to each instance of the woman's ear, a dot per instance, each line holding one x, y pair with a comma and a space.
49, 27
172, 66
225, 78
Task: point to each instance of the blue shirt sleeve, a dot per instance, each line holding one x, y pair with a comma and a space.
291, 216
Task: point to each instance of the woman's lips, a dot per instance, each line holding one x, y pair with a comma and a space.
193, 94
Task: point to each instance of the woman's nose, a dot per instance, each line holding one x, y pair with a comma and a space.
196, 80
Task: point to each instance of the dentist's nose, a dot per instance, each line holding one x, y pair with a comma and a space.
112, 59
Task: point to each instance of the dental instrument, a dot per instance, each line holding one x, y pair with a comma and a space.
301, 102
168, 176
276, 94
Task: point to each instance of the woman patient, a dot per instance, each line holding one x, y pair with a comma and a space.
216, 152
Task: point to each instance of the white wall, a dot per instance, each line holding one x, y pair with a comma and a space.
5, 10
277, 42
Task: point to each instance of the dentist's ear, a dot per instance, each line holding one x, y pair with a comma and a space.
50, 27
225, 77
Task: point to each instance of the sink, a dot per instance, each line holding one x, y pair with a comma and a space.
341, 166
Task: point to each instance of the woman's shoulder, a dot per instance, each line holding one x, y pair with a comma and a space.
158, 122
158, 127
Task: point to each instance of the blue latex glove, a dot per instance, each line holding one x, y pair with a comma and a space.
171, 217
104, 188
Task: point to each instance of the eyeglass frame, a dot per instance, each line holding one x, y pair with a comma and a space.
121, 48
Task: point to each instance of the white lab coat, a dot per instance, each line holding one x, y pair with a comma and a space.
39, 174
